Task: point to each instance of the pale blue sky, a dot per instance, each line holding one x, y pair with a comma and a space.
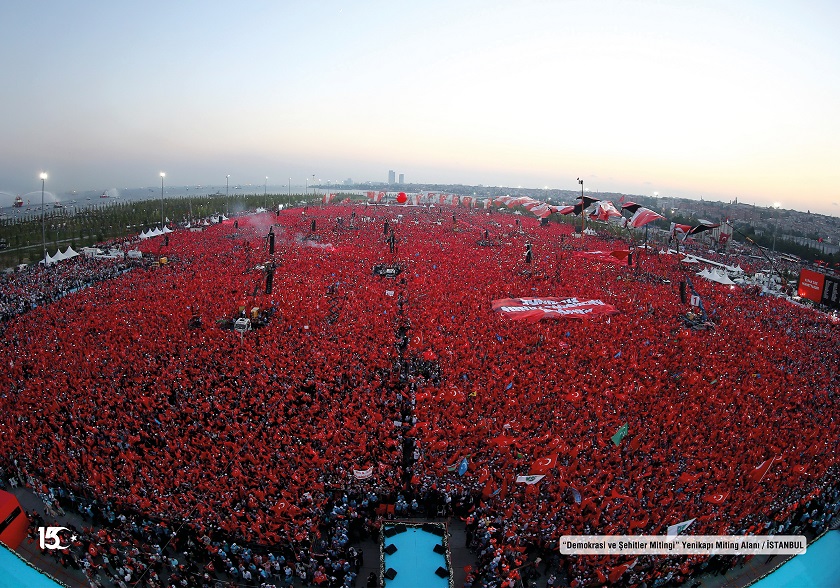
712, 99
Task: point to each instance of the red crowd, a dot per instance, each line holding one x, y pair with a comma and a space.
110, 393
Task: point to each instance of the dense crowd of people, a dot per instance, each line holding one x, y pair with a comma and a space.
35, 285
368, 396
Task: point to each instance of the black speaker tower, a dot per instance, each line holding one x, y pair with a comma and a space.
269, 280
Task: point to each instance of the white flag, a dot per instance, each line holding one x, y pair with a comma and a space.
675, 530
529, 479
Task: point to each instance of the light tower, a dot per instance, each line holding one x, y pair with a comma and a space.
43, 223
162, 175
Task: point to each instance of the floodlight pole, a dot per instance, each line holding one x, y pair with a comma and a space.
582, 216
162, 175
43, 221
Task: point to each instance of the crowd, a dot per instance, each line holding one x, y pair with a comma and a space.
367, 393
36, 285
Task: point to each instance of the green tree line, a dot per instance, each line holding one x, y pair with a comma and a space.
85, 227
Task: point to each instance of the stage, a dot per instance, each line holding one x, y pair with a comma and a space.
415, 560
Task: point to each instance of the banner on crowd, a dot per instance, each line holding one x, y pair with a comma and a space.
535, 309
363, 474
426, 198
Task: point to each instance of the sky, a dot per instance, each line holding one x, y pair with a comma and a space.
711, 99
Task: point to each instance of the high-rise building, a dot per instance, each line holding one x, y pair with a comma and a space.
391, 176
402, 178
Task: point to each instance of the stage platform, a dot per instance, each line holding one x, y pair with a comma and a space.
819, 566
415, 560
16, 572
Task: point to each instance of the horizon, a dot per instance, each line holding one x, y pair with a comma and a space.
182, 190
713, 101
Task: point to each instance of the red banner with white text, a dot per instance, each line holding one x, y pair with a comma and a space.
811, 285
535, 309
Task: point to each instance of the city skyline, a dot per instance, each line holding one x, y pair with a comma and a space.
717, 101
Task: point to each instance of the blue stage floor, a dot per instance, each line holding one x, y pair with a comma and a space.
415, 560
818, 567
15, 573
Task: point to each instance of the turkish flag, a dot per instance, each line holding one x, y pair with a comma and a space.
643, 216
573, 396
717, 499
759, 471
617, 572
543, 465
502, 441
686, 478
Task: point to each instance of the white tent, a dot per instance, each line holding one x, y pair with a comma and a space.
716, 276
722, 277
151, 233
59, 256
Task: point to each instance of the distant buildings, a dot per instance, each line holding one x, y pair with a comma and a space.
392, 177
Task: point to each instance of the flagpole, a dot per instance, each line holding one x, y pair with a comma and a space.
764, 253
632, 240
767, 470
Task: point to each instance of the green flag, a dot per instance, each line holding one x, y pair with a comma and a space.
620, 434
